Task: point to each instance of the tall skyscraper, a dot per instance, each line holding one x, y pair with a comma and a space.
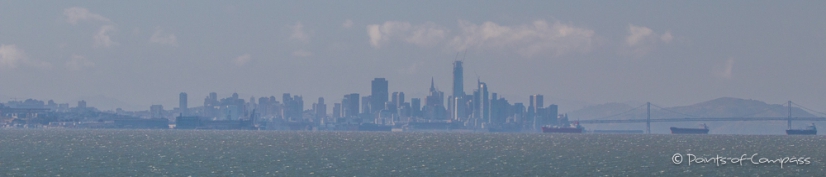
336, 110
551, 114
458, 80
320, 109
378, 94
538, 113
539, 101
485, 102
434, 104
365, 105
182, 104
477, 103
401, 99
397, 102
536, 102
292, 108
350, 105
394, 98
416, 105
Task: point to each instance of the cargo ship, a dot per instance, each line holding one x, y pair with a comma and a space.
702, 130
810, 130
573, 128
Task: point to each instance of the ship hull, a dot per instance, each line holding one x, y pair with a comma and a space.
801, 132
675, 130
562, 130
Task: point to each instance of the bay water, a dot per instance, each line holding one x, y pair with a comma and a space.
62, 152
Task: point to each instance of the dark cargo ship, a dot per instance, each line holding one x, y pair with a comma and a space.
702, 130
810, 130
573, 128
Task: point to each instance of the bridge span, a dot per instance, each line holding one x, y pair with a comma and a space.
691, 118
704, 119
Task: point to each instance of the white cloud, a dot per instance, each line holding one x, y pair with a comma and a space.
374, 33
299, 34
426, 34
637, 34
667, 37
11, 57
241, 60
75, 14
302, 53
526, 40
642, 40
164, 39
79, 62
102, 37
347, 24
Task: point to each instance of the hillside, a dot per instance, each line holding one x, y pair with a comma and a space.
720, 107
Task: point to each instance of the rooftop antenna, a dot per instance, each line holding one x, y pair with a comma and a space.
478, 79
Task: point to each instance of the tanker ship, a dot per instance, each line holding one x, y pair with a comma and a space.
572, 128
810, 130
702, 130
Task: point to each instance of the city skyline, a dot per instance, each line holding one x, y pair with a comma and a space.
137, 54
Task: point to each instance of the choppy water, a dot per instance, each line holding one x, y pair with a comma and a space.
270, 153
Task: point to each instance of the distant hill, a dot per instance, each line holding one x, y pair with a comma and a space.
736, 107
720, 107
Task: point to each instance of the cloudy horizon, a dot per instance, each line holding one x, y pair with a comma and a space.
136, 54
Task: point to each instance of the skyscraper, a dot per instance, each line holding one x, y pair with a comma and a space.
365, 104
336, 110
539, 101
538, 112
394, 98
398, 102
320, 109
350, 105
416, 105
378, 94
434, 104
182, 104
393, 104
536, 103
458, 80
485, 102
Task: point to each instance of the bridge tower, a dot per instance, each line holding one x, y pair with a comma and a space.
790, 116
648, 121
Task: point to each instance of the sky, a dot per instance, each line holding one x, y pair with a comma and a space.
133, 54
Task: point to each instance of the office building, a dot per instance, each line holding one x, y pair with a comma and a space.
350, 105
182, 99
378, 94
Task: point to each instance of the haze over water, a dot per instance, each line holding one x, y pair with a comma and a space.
276, 153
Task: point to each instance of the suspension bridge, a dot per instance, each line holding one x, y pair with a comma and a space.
692, 118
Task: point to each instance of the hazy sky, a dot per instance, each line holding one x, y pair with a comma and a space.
132, 54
